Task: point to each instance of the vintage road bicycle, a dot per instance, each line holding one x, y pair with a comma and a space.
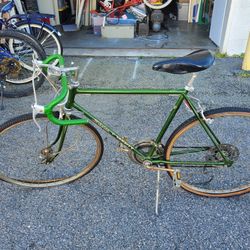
208, 154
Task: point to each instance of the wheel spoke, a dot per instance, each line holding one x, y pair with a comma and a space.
36, 162
232, 127
21, 47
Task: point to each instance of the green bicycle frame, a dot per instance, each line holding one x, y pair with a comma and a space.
70, 92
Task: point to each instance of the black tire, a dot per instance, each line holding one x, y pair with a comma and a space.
232, 127
21, 146
22, 46
45, 34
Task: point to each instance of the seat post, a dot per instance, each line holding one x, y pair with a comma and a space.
189, 86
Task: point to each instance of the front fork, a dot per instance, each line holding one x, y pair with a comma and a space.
47, 152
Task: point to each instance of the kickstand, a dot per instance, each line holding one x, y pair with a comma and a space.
157, 193
2, 86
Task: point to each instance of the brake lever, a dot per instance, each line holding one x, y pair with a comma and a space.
37, 109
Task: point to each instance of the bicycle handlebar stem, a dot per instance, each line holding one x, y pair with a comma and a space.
48, 108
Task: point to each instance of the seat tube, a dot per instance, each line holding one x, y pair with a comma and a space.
167, 123
170, 118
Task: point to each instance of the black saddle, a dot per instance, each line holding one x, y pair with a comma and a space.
196, 61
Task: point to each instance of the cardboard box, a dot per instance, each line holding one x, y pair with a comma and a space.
183, 11
118, 31
100, 20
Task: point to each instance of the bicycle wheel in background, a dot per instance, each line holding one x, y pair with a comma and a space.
21, 48
26, 159
45, 34
156, 5
232, 127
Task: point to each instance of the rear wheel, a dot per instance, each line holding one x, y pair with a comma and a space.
232, 127
28, 160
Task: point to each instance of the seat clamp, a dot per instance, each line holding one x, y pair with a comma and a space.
189, 86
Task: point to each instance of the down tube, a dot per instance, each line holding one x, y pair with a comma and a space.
178, 92
107, 129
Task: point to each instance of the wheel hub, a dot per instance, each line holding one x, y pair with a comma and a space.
231, 152
47, 155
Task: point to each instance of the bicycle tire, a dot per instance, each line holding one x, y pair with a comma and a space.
14, 86
21, 137
42, 32
157, 7
231, 126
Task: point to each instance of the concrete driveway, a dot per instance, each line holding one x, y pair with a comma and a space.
113, 206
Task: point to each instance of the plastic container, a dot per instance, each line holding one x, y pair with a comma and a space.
97, 22
61, 4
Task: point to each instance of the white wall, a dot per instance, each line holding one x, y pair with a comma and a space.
219, 21
237, 29
49, 7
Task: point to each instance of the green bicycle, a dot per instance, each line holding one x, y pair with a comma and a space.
208, 154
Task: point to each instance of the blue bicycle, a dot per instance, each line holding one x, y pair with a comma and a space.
17, 52
34, 24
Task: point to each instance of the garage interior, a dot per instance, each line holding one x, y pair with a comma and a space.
178, 28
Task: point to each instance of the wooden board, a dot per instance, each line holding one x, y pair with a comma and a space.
79, 12
193, 11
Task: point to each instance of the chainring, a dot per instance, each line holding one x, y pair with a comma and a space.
145, 147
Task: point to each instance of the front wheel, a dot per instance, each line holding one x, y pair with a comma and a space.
189, 142
28, 159
46, 35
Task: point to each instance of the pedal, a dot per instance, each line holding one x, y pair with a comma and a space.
122, 147
177, 178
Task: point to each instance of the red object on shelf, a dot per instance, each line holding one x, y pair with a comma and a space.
46, 20
109, 6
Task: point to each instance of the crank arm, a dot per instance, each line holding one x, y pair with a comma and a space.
176, 174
